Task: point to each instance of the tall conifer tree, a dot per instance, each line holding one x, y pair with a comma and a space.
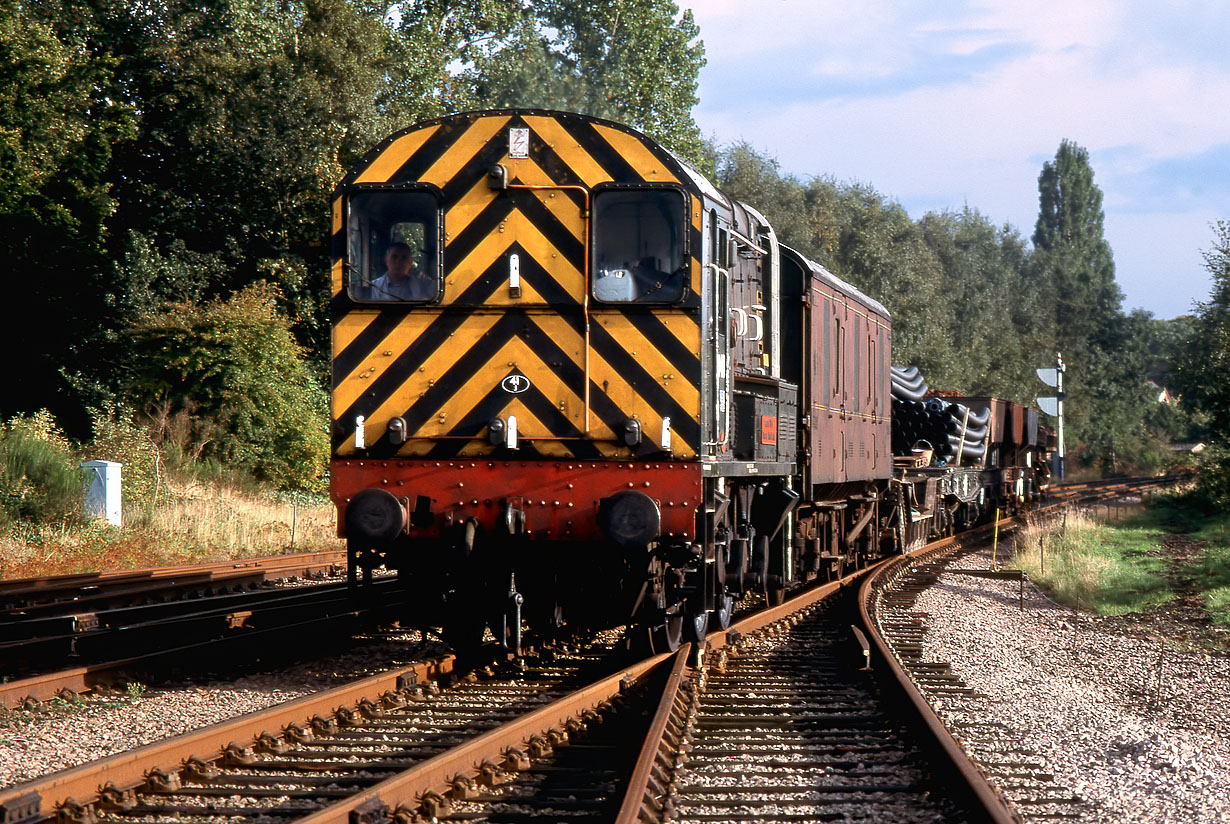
1106, 351
1071, 252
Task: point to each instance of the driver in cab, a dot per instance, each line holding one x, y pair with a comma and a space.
402, 279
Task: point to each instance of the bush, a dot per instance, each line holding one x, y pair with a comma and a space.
40, 479
225, 381
1213, 487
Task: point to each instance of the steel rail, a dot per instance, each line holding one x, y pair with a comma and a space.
990, 803
42, 687
435, 775
129, 769
641, 801
639, 797
305, 562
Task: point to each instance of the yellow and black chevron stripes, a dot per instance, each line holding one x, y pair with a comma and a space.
455, 155
443, 372
443, 368
551, 254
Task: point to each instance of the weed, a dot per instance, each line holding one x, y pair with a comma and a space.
192, 523
135, 690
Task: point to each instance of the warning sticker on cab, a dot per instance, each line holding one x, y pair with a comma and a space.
768, 429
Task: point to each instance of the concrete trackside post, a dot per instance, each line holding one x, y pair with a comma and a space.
102, 492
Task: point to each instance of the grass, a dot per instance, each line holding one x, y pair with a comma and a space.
195, 523
1117, 567
1213, 573
1088, 565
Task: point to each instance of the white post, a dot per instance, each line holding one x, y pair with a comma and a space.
102, 495
1059, 406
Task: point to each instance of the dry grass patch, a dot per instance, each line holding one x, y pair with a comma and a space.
194, 523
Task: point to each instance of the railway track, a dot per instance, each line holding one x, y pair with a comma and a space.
788, 727
154, 637
514, 747
775, 713
54, 595
954, 715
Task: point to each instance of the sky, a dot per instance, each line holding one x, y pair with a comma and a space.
945, 105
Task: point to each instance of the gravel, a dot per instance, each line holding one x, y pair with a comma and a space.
1136, 727
64, 734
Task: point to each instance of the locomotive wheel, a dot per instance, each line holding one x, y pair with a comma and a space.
759, 562
667, 636
724, 609
696, 625
734, 565
774, 595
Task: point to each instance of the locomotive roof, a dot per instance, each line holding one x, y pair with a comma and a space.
677, 168
837, 283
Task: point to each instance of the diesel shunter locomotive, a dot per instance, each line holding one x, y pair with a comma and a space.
575, 385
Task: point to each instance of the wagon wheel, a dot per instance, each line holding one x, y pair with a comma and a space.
724, 608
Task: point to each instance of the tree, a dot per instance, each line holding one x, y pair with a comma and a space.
951, 280
633, 61
1203, 369
1106, 352
995, 332
1071, 252
57, 130
227, 381
1203, 373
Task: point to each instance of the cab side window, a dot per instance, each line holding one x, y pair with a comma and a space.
638, 252
392, 240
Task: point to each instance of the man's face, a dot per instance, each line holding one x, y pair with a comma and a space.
397, 262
